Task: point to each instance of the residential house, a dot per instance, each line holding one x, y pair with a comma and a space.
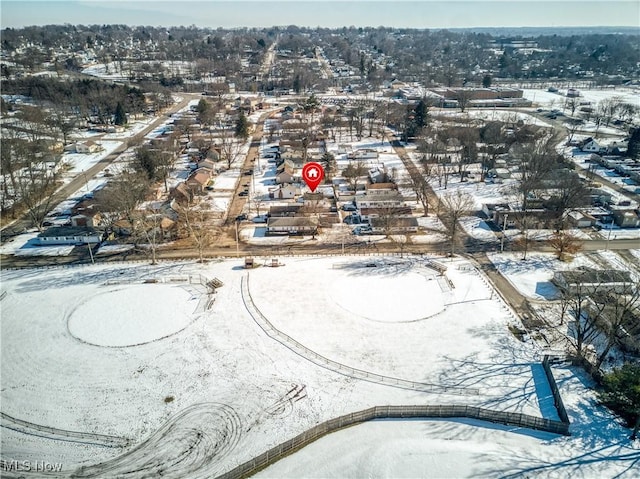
286, 173
199, 180
285, 211
579, 219
208, 164
168, 228
489, 209
600, 197
87, 147
382, 189
588, 280
84, 220
363, 155
627, 218
394, 225
379, 201
292, 226
533, 218
69, 235
368, 214
285, 191
589, 144
181, 194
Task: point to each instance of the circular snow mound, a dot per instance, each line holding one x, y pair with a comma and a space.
132, 315
389, 298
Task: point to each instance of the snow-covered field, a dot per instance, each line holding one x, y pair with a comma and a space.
160, 376
549, 99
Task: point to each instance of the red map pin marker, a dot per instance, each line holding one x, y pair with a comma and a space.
312, 174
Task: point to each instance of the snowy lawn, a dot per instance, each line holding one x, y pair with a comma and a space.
28, 245
206, 367
532, 278
80, 162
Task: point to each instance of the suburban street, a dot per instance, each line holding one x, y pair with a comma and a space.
19, 225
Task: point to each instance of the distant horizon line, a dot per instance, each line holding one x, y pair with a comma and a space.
315, 27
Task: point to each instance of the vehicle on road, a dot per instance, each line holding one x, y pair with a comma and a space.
362, 230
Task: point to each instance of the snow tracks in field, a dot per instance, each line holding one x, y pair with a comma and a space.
190, 444
335, 366
62, 434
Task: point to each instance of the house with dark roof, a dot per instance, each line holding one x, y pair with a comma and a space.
394, 225
69, 235
589, 281
296, 225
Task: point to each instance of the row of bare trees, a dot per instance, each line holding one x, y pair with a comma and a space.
31, 167
602, 317
122, 212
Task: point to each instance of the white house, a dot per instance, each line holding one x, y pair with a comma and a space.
284, 192
292, 226
88, 146
363, 155
394, 225
591, 145
382, 189
379, 201
57, 235
580, 219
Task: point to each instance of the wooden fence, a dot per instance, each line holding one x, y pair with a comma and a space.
392, 412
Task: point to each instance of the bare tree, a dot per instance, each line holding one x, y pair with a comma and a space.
565, 244
196, 220
464, 97
619, 319
353, 172
32, 173
572, 104
230, 147
586, 303
570, 192
455, 205
120, 198
147, 226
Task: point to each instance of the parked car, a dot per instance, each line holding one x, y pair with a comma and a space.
241, 217
243, 193
361, 230
353, 219
349, 207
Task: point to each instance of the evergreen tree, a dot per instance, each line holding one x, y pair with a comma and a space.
420, 115
633, 149
120, 116
621, 392
297, 84
242, 126
486, 81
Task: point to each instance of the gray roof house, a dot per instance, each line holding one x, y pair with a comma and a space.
70, 235
588, 281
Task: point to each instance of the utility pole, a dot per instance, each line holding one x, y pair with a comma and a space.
90, 253
504, 228
237, 241
609, 235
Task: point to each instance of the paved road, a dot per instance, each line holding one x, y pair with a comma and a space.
238, 202
24, 222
